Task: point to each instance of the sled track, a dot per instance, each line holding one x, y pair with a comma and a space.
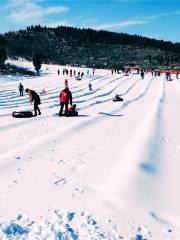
119, 155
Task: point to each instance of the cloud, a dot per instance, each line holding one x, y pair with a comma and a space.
52, 10
177, 12
17, 3
119, 25
26, 11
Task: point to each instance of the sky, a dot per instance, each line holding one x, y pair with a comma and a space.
151, 18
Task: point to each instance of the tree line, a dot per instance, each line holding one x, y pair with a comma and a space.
68, 45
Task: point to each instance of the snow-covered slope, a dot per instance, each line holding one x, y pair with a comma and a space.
116, 160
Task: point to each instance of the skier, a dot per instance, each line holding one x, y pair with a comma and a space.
142, 74
43, 91
65, 97
168, 76
177, 76
58, 72
66, 82
117, 98
21, 89
34, 97
70, 72
90, 87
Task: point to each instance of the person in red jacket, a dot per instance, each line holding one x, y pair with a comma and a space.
65, 98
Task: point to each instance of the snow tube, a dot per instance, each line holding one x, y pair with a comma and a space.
22, 114
78, 78
117, 100
71, 114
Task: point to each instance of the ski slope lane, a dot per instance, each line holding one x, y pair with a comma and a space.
115, 159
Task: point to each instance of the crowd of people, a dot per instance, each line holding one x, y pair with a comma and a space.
71, 72
65, 96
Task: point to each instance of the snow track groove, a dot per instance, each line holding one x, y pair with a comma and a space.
112, 160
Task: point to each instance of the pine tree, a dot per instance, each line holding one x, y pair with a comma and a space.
3, 56
37, 62
150, 59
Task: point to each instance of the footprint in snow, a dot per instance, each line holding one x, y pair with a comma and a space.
77, 192
30, 158
1, 202
61, 162
61, 180
81, 161
19, 170
167, 233
165, 139
14, 182
77, 168
81, 154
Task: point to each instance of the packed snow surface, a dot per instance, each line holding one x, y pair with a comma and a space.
110, 173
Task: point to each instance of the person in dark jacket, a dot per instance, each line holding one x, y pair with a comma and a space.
90, 86
66, 82
142, 74
34, 97
65, 98
21, 89
70, 72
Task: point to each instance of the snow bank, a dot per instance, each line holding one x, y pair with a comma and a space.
60, 226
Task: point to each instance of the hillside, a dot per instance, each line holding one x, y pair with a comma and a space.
67, 45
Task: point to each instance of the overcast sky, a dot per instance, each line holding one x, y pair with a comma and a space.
155, 19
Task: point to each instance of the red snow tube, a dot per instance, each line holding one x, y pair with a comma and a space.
22, 114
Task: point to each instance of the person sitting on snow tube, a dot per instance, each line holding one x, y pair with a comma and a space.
72, 111
117, 98
72, 108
